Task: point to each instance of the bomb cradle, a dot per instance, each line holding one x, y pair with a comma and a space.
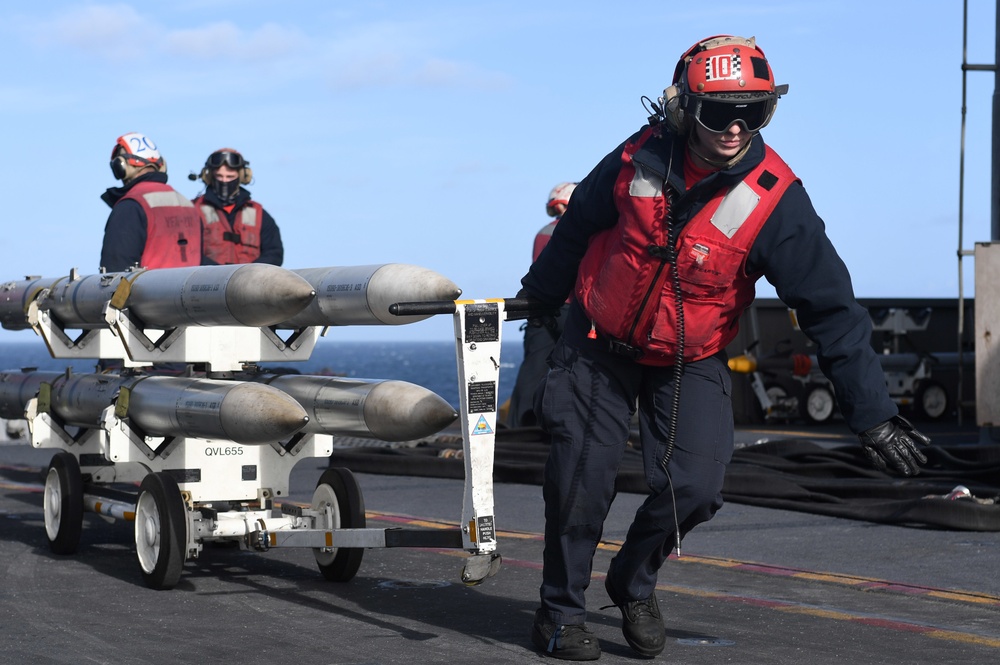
212, 450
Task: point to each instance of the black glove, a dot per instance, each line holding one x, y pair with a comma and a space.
894, 443
548, 319
546, 316
538, 313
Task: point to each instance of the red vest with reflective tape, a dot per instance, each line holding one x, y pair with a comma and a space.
627, 292
173, 226
227, 243
542, 238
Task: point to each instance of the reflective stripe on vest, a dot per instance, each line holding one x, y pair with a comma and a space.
542, 239
735, 208
248, 216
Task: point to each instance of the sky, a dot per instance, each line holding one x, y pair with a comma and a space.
431, 132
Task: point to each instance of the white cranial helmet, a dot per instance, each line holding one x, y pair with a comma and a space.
559, 194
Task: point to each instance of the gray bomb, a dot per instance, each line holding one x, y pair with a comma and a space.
361, 295
16, 388
388, 410
254, 295
15, 297
244, 412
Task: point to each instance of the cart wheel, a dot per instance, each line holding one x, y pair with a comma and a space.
779, 397
338, 497
818, 404
160, 530
63, 503
931, 400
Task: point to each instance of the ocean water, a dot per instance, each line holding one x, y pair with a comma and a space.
432, 365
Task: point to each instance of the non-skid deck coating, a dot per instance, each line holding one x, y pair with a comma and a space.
754, 585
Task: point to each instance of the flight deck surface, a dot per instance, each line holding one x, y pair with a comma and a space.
753, 586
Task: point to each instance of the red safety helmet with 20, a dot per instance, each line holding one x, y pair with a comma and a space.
133, 152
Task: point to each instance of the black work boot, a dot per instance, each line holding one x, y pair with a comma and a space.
568, 642
642, 623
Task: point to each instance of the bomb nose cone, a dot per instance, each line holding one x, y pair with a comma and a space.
259, 294
361, 295
383, 409
255, 413
400, 282
400, 411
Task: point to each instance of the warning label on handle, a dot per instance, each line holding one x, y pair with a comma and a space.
483, 397
482, 322
487, 532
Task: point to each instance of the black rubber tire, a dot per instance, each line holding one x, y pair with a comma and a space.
775, 391
160, 531
340, 564
63, 503
931, 400
818, 394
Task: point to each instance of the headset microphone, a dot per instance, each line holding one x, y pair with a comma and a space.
192, 176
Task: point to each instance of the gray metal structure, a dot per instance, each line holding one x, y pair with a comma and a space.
987, 401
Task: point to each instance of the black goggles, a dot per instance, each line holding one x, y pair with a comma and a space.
718, 116
233, 160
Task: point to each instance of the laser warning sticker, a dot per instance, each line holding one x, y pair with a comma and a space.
483, 397
482, 427
487, 532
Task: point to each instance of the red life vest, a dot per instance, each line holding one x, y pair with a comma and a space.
626, 290
227, 243
542, 238
173, 226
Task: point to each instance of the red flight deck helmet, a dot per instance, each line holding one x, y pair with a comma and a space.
722, 80
132, 153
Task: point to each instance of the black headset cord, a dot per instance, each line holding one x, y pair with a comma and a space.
675, 402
